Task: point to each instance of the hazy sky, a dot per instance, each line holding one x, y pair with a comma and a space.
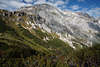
91, 7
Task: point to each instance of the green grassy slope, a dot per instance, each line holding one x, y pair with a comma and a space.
17, 44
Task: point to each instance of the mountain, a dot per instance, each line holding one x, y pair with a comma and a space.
45, 36
74, 28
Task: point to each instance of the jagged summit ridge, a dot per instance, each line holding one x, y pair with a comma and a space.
73, 28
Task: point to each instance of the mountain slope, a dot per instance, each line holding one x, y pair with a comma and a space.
44, 36
19, 40
74, 28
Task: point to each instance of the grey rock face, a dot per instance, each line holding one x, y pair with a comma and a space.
70, 26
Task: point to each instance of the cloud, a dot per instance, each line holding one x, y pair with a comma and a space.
15, 4
81, 0
51, 1
40, 2
12, 4
60, 3
57, 3
75, 7
29, 1
94, 12
83, 10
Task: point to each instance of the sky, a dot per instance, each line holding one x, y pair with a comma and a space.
92, 7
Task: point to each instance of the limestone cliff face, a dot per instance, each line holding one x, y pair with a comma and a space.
74, 28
